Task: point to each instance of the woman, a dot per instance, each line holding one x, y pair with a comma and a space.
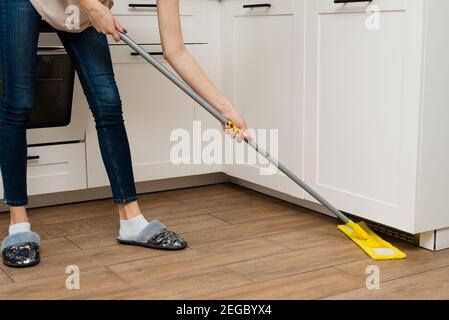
88, 48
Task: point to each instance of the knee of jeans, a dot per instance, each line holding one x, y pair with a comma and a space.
108, 113
108, 118
107, 105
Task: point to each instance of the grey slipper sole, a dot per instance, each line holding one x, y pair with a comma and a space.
149, 245
18, 266
156, 236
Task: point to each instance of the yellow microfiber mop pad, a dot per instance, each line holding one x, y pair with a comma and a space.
371, 243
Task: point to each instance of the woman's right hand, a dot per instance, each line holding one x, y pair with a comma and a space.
103, 21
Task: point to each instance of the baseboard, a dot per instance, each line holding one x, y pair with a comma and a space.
435, 240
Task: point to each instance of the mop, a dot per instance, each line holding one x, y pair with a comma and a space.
373, 245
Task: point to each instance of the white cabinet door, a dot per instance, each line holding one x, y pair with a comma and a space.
153, 108
263, 75
362, 107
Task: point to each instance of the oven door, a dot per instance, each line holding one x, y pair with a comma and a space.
53, 99
61, 111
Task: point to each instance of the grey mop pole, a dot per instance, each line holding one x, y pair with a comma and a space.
189, 91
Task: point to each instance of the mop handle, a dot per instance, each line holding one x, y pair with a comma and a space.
214, 112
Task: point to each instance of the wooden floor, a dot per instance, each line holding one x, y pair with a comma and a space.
243, 245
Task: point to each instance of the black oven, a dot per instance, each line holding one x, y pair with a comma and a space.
55, 75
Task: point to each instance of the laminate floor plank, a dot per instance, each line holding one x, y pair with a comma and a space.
297, 261
173, 265
182, 287
92, 282
305, 286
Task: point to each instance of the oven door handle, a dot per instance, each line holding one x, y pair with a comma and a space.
51, 50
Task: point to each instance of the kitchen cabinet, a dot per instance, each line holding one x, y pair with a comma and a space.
153, 108
263, 70
376, 109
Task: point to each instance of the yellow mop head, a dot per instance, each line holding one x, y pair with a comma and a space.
371, 243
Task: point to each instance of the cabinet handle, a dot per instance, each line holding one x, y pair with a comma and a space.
142, 5
152, 53
33, 157
349, 1
257, 5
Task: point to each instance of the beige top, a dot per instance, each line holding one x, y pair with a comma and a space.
65, 15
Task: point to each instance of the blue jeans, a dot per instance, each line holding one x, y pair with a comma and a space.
89, 51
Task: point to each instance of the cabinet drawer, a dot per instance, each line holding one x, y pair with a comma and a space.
142, 23
146, 7
124, 54
56, 168
263, 7
124, 7
329, 6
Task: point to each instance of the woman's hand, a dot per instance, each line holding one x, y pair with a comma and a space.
186, 66
103, 21
242, 132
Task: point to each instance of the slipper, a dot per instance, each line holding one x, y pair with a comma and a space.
156, 236
21, 250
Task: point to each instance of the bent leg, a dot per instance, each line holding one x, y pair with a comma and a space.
90, 53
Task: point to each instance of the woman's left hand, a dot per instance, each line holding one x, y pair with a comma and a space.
242, 133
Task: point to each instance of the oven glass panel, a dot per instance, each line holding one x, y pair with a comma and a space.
55, 76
